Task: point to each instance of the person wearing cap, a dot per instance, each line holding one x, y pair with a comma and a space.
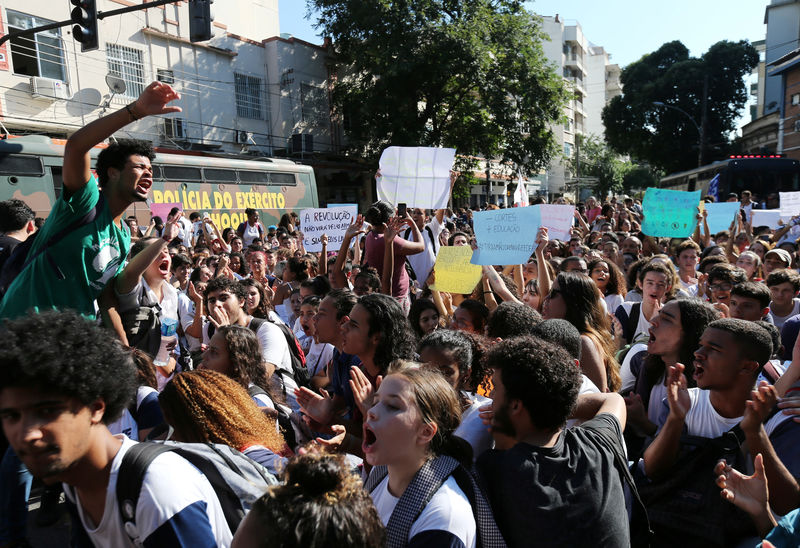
776, 259
784, 285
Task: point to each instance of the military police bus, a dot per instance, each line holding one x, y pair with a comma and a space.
763, 175
218, 184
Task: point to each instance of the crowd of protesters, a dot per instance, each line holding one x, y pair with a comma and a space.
572, 400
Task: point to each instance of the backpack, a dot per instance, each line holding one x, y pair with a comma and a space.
684, 506
142, 324
284, 418
419, 492
412, 274
300, 372
237, 480
21, 256
630, 327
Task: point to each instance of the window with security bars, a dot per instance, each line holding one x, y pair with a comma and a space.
313, 103
126, 63
248, 96
38, 55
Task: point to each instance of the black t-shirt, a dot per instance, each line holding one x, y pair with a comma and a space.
566, 495
7, 245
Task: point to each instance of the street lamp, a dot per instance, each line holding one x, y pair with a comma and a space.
700, 132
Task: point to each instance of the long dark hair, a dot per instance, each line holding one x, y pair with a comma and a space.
584, 311
397, 340
695, 317
616, 280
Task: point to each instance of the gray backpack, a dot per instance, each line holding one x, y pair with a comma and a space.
237, 480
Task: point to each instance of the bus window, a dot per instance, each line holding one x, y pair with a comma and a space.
219, 175
18, 164
282, 179
182, 173
258, 177
58, 180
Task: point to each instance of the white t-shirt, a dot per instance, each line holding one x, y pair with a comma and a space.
318, 356
628, 378
448, 510
780, 320
250, 233
703, 420
422, 263
587, 387
643, 326
472, 428
175, 500
186, 317
613, 301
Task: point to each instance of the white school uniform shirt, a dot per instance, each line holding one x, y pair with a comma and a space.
176, 500
448, 510
472, 429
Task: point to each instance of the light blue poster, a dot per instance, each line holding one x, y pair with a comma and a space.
670, 213
505, 236
721, 215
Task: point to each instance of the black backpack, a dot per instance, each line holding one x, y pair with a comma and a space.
142, 324
21, 257
300, 372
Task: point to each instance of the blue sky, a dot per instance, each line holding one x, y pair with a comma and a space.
626, 28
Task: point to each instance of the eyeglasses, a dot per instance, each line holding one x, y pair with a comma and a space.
720, 287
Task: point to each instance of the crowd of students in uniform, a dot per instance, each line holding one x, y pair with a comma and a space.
534, 411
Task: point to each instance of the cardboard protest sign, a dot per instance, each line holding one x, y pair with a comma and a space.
505, 236
416, 176
558, 219
766, 217
332, 221
162, 210
454, 272
790, 205
669, 213
721, 215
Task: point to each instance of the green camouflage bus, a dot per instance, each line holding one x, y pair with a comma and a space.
221, 185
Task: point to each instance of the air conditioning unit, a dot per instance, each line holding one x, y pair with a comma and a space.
301, 142
48, 88
797, 126
243, 137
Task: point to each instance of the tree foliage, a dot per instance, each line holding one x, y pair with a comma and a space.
467, 74
597, 160
663, 136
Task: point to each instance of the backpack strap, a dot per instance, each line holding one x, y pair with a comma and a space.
256, 323
633, 319
376, 476
416, 497
489, 535
129, 482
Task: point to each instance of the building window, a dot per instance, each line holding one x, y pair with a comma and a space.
165, 76
796, 99
126, 63
568, 150
38, 55
313, 103
248, 96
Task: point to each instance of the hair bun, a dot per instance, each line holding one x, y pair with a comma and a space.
315, 476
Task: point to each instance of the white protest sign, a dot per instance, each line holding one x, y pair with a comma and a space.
766, 217
416, 176
332, 221
558, 220
790, 205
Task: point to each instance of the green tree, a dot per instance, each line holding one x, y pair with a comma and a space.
664, 137
597, 160
464, 74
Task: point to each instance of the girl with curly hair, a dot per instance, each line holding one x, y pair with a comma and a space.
208, 407
459, 357
574, 297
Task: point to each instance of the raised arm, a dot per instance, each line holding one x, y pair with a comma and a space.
129, 277
498, 285
543, 274
661, 455
77, 162
323, 256
337, 275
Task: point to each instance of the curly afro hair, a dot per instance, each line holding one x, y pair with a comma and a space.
539, 374
64, 353
512, 319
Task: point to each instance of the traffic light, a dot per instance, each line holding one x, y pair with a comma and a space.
200, 20
84, 15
